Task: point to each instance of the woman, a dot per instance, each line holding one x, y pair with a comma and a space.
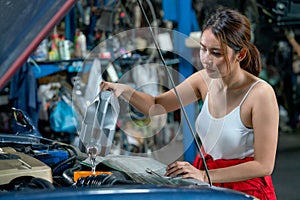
238, 123
290, 35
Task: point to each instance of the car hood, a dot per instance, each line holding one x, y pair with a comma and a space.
129, 192
23, 25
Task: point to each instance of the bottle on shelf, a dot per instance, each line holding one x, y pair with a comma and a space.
41, 53
80, 48
64, 48
54, 52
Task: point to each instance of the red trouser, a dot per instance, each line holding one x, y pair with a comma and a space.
261, 187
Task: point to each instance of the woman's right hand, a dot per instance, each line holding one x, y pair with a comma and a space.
117, 88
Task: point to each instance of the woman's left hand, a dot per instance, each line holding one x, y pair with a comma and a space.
185, 170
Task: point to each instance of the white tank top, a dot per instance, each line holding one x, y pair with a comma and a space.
226, 137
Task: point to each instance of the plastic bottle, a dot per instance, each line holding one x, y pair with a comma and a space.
61, 48
77, 52
81, 44
64, 49
41, 53
54, 55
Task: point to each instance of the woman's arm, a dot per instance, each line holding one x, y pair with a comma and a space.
295, 45
188, 91
265, 118
291, 38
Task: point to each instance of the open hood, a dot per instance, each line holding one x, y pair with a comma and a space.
23, 25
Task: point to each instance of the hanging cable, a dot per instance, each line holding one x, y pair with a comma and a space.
176, 92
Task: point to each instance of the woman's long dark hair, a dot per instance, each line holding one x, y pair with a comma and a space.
233, 29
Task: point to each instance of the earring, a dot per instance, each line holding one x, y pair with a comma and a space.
239, 58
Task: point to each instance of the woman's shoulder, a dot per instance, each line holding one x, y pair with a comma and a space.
200, 76
262, 85
262, 90
199, 81
262, 100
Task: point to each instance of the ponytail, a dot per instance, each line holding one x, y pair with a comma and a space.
252, 61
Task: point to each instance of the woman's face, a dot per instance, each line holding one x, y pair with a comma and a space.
212, 56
